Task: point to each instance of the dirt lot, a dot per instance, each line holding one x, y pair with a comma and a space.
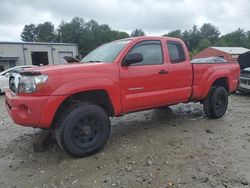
172, 147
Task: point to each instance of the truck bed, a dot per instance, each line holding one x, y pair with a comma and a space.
208, 73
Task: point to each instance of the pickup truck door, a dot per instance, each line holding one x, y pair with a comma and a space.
144, 84
180, 72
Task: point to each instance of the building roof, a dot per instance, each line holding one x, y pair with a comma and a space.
39, 43
232, 50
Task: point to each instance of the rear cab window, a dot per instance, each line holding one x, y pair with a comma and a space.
176, 52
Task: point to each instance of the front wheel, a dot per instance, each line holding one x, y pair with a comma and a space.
83, 130
216, 103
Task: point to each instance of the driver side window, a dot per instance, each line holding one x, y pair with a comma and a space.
151, 52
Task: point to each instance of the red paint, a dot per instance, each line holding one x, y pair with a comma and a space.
38, 109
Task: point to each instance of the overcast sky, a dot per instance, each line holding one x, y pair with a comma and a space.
155, 17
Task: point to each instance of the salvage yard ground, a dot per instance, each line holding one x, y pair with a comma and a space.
171, 147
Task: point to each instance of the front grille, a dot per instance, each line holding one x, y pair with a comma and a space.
245, 81
245, 75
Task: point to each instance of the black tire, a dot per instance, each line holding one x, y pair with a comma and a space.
82, 130
215, 105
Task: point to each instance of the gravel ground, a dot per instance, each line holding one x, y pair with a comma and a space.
171, 147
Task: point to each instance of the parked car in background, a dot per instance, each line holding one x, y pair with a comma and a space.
244, 61
4, 76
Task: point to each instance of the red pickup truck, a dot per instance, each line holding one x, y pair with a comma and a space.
124, 76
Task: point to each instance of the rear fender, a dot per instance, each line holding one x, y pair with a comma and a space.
210, 77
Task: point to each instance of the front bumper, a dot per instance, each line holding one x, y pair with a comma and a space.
32, 111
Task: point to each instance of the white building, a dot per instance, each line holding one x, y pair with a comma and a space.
38, 53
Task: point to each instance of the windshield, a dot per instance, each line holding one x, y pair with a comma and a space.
107, 52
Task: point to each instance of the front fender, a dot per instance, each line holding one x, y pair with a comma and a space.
111, 87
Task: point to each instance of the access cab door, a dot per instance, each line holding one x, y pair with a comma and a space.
180, 72
145, 84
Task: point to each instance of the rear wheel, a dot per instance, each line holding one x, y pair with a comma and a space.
83, 130
215, 105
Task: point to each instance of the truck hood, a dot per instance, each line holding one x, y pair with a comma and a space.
70, 74
69, 68
244, 60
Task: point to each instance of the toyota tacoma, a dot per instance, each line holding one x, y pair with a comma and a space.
76, 100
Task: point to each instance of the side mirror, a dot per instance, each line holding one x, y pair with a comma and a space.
132, 58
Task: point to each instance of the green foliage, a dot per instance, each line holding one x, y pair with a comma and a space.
209, 32
29, 33
248, 39
175, 33
45, 32
197, 39
236, 38
90, 34
137, 33
203, 44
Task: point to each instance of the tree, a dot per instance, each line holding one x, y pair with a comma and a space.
209, 32
137, 33
235, 38
176, 33
45, 32
221, 42
248, 39
71, 32
120, 35
88, 35
29, 33
203, 44
186, 38
195, 38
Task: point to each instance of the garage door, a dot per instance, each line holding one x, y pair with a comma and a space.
63, 54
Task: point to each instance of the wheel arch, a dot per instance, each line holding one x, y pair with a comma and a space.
98, 97
222, 82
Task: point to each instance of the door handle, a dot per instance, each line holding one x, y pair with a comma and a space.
163, 71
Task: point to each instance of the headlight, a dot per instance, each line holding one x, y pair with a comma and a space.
30, 84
